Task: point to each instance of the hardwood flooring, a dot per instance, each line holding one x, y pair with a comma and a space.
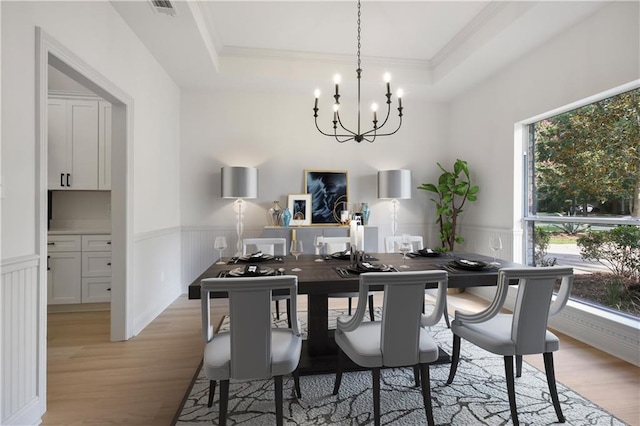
92, 381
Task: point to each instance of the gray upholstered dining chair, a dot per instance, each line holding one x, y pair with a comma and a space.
391, 245
252, 348
272, 246
338, 244
522, 333
401, 338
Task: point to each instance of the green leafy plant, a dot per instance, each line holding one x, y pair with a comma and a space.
542, 239
618, 249
454, 189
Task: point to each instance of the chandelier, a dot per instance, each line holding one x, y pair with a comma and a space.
358, 136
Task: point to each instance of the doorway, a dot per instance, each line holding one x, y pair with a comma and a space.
51, 53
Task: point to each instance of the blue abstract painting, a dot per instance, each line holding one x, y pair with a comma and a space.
329, 195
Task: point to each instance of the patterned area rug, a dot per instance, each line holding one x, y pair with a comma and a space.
478, 396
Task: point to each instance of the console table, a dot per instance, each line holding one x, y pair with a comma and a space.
307, 233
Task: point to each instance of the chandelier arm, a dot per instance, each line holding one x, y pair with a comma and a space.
344, 128
389, 134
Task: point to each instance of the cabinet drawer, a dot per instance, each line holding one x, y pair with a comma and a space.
96, 264
96, 242
96, 290
60, 243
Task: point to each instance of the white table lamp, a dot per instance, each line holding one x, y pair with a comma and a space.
394, 185
239, 183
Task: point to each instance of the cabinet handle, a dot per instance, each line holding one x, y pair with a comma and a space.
109, 264
68, 176
48, 267
61, 179
109, 242
109, 289
51, 243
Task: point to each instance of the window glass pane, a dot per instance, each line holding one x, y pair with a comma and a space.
583, 178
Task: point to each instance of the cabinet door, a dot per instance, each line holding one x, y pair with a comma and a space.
57, 144
104, 146
84, 141
96, 264
96, 290
63, 278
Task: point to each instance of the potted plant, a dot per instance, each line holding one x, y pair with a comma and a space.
454, 189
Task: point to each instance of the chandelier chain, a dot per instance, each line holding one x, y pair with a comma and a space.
359, 34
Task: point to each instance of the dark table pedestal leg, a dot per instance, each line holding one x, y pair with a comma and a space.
318, 340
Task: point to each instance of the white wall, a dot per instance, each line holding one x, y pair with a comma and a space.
274, 132
598, 54
96, 34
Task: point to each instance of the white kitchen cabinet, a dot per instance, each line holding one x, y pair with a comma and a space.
79, 145
64, 269
104, 145
79, 268
63, 273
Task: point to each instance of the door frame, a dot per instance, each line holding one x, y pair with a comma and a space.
51, 52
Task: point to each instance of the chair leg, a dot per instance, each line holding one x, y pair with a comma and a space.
349, 311
518, 365
426, 392
277, 309
511, 388
212, 391
289, 312
278, 385
336, 385
224, 401
416, 374
455, 357
446, 315
551, 381
296, 382
371, 314
375, 372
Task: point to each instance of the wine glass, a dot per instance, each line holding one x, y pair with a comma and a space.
495, 244
220, 244
296, 250
318, 242
404, 248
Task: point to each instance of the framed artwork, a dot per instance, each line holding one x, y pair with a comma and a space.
329, 195
300, 208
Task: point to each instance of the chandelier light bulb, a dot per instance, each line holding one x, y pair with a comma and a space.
399, 93
386, 77
374, 107
316, 93
337, 79
336, 107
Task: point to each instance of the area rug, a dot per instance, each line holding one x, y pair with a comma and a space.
478, 396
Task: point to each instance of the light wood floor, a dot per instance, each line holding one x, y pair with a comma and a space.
92, 381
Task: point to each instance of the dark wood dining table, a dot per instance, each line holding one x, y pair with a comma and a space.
319, 279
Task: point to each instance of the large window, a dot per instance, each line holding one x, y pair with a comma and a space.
583, 198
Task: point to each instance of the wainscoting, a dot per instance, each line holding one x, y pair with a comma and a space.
22, 388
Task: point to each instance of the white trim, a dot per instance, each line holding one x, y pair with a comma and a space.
20, 262
156, 233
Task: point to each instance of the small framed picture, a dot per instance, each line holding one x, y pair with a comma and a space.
300, 208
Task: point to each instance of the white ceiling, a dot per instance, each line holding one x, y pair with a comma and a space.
435, 47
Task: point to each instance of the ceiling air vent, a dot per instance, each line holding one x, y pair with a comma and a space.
164, 6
